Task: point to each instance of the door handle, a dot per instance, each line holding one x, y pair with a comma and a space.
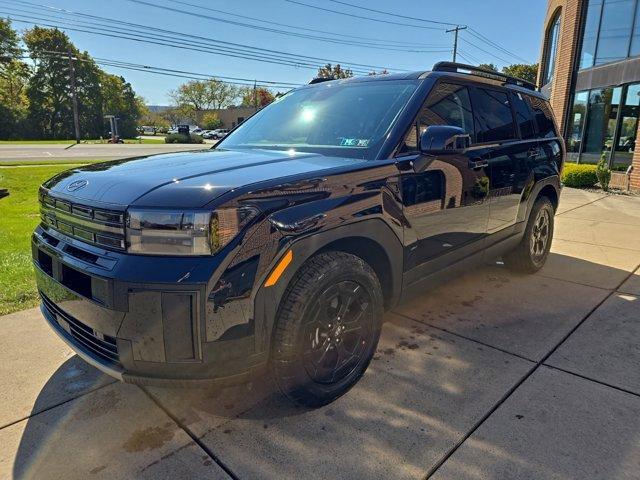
533, 153
477, 165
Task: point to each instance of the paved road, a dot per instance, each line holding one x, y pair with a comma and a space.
493, 375
17, 153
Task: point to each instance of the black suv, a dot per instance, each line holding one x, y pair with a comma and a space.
283, 245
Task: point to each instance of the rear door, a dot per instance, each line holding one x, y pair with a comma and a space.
506, 153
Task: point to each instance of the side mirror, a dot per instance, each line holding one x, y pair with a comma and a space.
444, 138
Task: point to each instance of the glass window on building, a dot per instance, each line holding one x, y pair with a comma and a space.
615, 30
601, 123
551, 50
590, 38
635, 39
576, 124
628, 128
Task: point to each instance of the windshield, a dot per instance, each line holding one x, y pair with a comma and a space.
334, 119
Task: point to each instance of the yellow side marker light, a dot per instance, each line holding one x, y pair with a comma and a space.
279, 269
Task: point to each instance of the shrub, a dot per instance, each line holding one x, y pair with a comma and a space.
180, 138
579, 175
603, 172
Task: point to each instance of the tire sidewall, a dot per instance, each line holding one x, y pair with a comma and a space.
294, 377
542, 204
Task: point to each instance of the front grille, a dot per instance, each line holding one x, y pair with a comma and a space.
102, 346
93, 225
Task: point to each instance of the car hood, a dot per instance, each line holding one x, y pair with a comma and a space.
189, 179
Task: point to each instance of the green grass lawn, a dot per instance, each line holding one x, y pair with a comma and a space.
19, 216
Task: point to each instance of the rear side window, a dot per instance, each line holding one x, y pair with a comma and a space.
494, 120
524, 116
544, 117
447, 104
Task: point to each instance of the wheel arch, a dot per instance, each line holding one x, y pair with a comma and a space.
372, 240
549, 187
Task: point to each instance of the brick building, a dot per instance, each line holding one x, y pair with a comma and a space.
590, 68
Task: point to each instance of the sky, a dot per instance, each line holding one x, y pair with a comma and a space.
391, 42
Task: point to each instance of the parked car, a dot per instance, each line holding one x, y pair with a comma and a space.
282, 247
218, 133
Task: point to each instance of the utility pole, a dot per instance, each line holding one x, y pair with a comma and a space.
255, 94
455, 40
74, 95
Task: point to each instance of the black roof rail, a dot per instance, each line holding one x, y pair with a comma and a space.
483, 72
320, 80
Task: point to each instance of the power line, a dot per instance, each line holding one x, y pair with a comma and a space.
257, 53
467, 55
394, 14
485, 51
488, 41
173, 44
307, 29
353, 15
281, 59
160, 70
273, 30
472, 31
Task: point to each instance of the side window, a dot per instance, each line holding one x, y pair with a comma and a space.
524, 116
447, 104
494, 120
544, 117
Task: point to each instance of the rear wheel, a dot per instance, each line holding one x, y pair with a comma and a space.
531, 253
327, 329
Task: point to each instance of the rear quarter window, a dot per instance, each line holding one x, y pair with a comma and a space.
543, 117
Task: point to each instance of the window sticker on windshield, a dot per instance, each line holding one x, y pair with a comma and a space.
354, 142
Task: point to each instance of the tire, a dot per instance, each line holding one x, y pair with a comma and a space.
531, 253
331, 313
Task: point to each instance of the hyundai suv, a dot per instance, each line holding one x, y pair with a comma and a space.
282, 247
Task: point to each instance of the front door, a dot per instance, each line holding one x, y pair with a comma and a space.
445, 204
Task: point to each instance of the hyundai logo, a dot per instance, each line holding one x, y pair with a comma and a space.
77, 185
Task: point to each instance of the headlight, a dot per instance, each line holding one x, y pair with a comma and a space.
165, 232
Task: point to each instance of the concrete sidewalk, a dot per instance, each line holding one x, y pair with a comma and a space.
494, 375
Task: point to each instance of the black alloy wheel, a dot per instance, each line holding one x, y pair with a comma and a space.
531, 253
327, 328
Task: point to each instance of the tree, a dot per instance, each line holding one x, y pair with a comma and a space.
334, 71
152, 119
49, 95
14, 75
381, 72
49, 92
211, 121
260, 96
203, 95
522, 70
9, 41
120, 100
488, 66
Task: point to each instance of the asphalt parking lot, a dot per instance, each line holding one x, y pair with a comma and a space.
493, 375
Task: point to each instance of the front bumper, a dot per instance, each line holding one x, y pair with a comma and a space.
140, 319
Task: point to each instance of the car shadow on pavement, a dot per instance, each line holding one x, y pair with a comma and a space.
445, 359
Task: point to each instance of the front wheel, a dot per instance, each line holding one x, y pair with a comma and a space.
327, 329
531, 253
